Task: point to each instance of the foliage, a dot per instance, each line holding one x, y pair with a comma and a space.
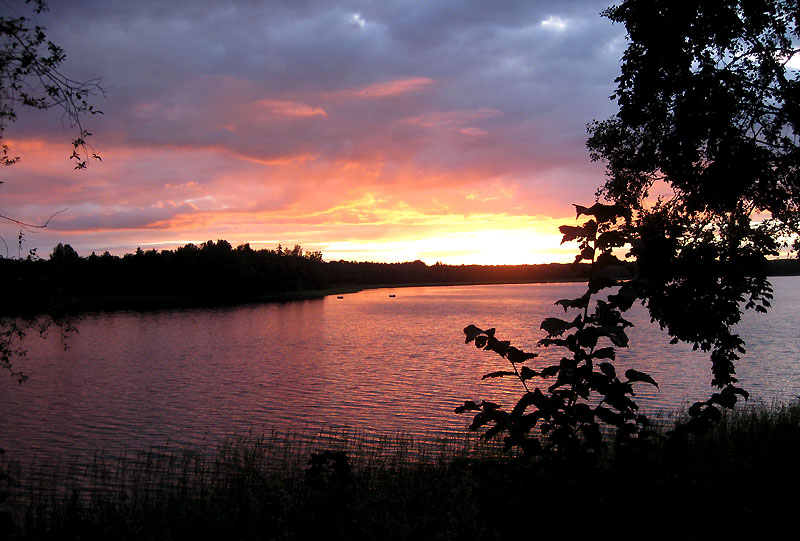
707, 123
30, 77
706, 104
708, 109
586, 392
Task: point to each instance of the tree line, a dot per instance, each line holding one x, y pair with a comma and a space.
217, 273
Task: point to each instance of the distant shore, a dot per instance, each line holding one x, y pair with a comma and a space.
217, 275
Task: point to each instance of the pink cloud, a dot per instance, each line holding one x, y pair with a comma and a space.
452, 118
385, 89
289, 108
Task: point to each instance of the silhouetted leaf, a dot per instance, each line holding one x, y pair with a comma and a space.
498, 346
499, 374
610, 239
583, 413
540, 401
635, 375
554, 326
526, 400
492, 432
471, 332
518, 356
580, 302
481, 341
604, 353
529, 420
604, 213
608, 369
608, 416
571, 233
695, 409
739, 391
587, 253
580, 209
617, 336
526, 373
479, 420
547, 342
624, 298
469, 405
550, 371
727, 398
598, 284
562, 379
587, 337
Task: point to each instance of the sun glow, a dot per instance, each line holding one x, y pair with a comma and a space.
483, 247
358, 210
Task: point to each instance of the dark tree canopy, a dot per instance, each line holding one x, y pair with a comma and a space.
707, 104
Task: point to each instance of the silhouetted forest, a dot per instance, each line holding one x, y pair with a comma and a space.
217, 273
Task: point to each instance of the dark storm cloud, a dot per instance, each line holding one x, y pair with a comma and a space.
179, 72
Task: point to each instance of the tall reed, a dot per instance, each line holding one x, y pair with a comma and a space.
366, 486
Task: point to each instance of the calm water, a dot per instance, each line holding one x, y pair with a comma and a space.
130, 381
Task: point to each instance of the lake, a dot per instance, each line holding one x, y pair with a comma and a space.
369, 361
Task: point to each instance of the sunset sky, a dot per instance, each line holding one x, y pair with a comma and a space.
448, 131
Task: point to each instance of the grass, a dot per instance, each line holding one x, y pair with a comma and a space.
741, 480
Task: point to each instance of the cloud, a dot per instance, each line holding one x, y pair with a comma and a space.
385, 89
556, 23
288, 108
304, 121
357, 20
455, 121
452, 118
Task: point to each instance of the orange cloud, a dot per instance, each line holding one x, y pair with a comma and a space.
386, 89
369, 207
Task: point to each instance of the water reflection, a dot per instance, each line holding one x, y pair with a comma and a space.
369, 361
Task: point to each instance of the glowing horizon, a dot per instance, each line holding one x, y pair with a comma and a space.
343, 132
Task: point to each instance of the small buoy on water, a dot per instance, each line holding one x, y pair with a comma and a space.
339, 297
393, 295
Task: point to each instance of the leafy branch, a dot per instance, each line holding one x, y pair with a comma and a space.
584, 394
30, 77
